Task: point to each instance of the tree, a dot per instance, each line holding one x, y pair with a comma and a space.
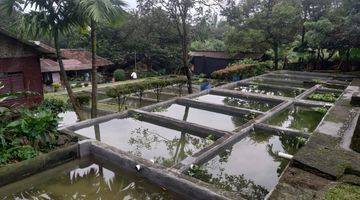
95, 12
48, 18
262, 25
179, 12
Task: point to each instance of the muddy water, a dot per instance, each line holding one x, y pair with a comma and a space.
237, 102
84, 180
299, 117
164, 146
268, 91
251, 166
203, 117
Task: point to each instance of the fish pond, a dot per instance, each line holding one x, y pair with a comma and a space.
237, 102
299, 117
204, 117
268, 91
251, 167
162, 145
84, 179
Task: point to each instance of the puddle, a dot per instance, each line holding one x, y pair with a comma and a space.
203, 117
251, 166
268, 91
299, 117
165, 146
237, 102
84, 180
69, 118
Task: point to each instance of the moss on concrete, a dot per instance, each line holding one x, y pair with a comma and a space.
343, 192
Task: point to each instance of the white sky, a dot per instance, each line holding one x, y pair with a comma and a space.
131, 4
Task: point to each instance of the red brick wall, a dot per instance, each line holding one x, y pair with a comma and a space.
32, 78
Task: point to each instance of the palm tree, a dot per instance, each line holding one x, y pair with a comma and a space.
95, 12
48, 18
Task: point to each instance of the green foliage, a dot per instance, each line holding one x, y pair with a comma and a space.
83, 99
324, 96
33, 124
243, 69
119, 75
322, 110
56, 86
22, 152
208, 45
119, 92
55, 105
343, 192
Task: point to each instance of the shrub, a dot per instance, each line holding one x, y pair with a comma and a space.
244, 69
120, 91
119, 75
86, 84
56, 86
83, 99
55, 105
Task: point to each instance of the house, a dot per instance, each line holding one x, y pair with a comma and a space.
76, 63
20, 70
206, 62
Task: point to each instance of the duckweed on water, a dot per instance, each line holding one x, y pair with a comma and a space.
321, 96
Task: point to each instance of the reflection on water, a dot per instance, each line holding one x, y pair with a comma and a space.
205, 118
299, 117
69, 118
250, 167
83, 180
237, 102
164, 146
268, 91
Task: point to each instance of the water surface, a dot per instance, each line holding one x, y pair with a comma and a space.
204, 117
268, 91
237, 102
163, 145
251, 166
84, 180
299, 117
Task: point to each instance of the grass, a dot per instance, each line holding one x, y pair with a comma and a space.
343, 192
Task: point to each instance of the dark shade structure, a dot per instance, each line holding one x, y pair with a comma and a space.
206, 62
20, 70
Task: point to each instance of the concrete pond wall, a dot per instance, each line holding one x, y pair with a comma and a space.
224, 143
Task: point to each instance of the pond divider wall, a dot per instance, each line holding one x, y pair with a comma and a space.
17, 171
172, 178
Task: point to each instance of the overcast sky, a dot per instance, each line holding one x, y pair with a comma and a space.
131, 4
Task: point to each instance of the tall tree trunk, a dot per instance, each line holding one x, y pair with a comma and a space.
348, 63
74, 103
185, 56
93, 71
303, 31
276, 55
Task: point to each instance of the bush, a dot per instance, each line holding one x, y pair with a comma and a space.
120, 91
56, 86
119, 75
86, 84
83, 99
244, 69
55, 105
33, 131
